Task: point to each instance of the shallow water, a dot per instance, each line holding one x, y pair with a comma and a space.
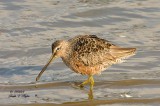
28, 28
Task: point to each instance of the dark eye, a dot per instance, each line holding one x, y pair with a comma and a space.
58, 48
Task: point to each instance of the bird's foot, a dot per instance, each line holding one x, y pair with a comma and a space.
77, 85
84, 83
89, 80
81, 86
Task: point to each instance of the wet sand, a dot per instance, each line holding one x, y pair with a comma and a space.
28, 28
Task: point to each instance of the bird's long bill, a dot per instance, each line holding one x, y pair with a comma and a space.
45, 67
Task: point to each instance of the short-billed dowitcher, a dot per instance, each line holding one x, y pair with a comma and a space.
88, 55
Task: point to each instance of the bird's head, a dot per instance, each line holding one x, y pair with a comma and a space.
58, 50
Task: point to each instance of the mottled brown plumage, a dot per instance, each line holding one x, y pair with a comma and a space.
88, 55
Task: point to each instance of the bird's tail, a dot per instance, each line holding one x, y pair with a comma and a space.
122, 53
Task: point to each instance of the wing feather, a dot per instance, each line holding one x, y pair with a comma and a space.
92, 50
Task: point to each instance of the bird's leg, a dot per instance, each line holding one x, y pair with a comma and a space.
89, 80
84, 83
90, 94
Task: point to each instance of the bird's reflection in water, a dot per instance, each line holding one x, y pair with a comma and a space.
89, 92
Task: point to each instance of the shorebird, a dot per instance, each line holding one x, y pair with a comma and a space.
88, 55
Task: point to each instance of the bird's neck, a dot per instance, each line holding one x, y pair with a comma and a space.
65, 49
